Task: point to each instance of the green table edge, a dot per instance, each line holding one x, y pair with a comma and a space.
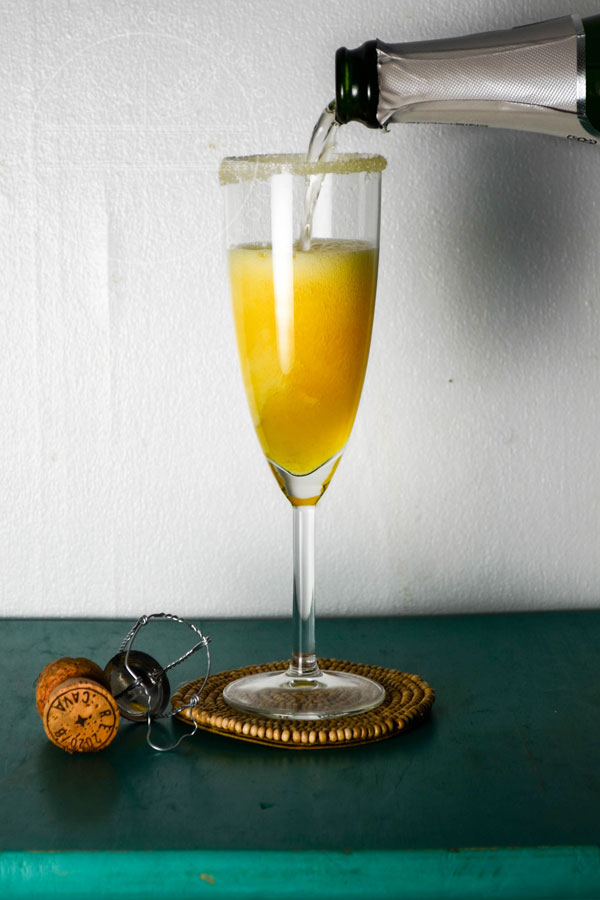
538, 873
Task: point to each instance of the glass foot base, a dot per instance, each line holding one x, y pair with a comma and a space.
279, 695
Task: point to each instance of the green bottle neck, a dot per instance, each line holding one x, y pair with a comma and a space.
357, 85
591, 26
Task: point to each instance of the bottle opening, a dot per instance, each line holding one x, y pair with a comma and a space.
357, 85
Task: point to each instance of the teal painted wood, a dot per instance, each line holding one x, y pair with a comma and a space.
509, 758
562, 873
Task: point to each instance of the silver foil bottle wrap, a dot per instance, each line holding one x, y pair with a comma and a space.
530, 78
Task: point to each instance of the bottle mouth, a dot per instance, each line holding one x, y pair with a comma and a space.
342, 87
235, 169
357, 85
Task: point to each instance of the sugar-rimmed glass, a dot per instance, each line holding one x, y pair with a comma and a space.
303, 303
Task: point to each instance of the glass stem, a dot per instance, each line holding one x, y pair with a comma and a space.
304, 661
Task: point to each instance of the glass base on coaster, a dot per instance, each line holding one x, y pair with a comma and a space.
407, 703
287, 695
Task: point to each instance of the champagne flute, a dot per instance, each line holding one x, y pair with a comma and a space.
303, 313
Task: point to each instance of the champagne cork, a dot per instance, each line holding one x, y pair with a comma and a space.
79, 713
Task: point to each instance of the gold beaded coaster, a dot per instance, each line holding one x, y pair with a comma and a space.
408, 699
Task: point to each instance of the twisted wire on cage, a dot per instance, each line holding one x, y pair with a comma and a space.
137, 681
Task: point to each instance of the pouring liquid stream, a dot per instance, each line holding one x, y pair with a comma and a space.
321, 146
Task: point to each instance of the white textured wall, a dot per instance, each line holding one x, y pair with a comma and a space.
130, 479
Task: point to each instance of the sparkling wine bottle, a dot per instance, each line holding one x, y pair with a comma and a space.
543, 77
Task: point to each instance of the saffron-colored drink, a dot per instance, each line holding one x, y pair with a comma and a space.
303, 321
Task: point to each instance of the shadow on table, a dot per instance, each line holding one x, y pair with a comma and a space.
78, 787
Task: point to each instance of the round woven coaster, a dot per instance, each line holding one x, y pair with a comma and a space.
408, 699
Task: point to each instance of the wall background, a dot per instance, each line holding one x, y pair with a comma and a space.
130, 478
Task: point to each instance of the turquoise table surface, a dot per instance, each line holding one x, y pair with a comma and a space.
496, 795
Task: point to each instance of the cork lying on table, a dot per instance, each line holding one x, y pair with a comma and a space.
79, 713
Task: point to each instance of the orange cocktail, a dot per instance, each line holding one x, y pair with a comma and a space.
303, 326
